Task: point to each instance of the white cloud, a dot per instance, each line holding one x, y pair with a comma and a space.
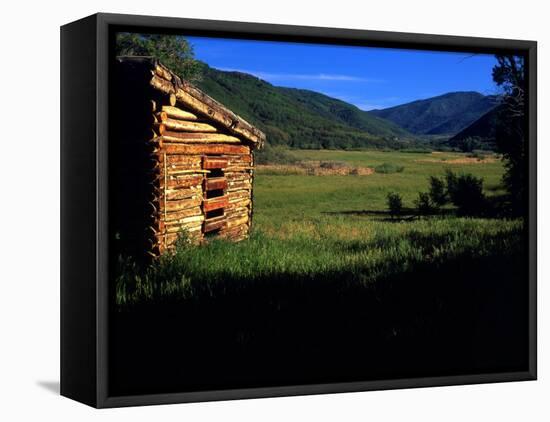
302, 76
367, 104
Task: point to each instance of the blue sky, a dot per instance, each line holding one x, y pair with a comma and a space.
367, 77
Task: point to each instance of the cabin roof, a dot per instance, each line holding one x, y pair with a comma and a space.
167, 81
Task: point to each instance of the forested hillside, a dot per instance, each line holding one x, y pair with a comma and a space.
300, 118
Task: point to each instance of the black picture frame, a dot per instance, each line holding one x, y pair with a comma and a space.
85, 179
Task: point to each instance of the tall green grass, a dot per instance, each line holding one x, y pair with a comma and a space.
316, 250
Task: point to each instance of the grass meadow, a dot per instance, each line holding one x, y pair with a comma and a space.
328, 287
314, 225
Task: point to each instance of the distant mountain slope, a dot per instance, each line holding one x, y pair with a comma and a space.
445, 114
300, 118
346, 113
483, 128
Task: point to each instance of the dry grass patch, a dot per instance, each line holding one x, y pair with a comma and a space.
315, 168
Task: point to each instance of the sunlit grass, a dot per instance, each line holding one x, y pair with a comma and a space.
329, 229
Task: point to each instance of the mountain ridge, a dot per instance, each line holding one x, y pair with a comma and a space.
483, 128
301, 118
445, 114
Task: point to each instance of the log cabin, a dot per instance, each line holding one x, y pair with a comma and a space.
181, 164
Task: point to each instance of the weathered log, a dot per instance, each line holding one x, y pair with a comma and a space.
242, 203
184, 229
169, 238
237, 176
183, 181
187, 222
241, 193
238, 164
178, 113
245, 158
187, 171
203, 104
236, 228
172, 99
163, 72
214, 162
160, 116
215, 183
215, 203
182, 204
192, 221
215, 223
236, 222
238, 195
237, 185
176, 226
193, 149
178, 215
177, 162
178, 167
183, 126
176, 194
182, 160
164, 86
237, 213
198, 138
164, 116
153, 106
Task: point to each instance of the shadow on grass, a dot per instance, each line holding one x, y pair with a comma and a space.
495, 206
407, 214
465, 315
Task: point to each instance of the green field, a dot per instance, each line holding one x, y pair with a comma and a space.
328, 288
280, 200
319, 226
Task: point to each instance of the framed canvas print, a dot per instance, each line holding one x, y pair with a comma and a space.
253, 210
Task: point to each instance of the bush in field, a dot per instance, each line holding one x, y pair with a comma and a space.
469, 144
438, 191
424, 205
388, 168
466, 193
274, 155
395, 204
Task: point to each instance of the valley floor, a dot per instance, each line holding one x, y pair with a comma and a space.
329, 288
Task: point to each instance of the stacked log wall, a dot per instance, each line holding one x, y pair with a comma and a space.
195, 147
170, 156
